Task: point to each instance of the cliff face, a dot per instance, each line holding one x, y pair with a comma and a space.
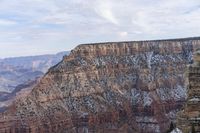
108, 87
189, 118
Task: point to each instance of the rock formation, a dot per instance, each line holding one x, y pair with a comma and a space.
19, 73
190, 116
22, 90
107, 87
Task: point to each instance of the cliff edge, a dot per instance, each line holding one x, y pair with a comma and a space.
107, 87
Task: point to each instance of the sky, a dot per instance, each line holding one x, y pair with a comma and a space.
34, 27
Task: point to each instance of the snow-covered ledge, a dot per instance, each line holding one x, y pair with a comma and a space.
176, 130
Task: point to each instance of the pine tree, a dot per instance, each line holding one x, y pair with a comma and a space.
193, 128
171, 126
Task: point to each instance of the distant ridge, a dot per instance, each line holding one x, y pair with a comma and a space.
18, 70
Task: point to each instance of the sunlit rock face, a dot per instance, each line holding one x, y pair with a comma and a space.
108, 87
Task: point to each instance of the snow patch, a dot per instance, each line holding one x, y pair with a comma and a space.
147, 99
176, 131
149, 56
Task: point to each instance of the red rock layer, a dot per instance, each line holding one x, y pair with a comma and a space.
108, 87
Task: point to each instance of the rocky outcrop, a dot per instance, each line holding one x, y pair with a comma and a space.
107, 87
22, 90
189, 118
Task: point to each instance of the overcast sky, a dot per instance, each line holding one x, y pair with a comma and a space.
32, 27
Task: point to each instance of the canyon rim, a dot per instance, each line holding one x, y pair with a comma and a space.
122, 87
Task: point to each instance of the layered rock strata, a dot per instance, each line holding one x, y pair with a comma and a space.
107, 87
190, 115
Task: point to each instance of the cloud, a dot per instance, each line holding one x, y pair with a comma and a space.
4, 22
104, 9
123, 34
55, 25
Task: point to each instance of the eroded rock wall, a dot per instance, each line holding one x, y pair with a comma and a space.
109, 87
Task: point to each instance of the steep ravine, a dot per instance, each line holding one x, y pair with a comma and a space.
107, 87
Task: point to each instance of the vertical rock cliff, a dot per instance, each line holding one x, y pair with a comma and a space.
107, 87
189, 118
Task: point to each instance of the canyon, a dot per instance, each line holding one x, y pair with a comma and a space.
19, 74
17, 70
113, 87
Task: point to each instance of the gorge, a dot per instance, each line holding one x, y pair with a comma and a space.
18, 75
112, 87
